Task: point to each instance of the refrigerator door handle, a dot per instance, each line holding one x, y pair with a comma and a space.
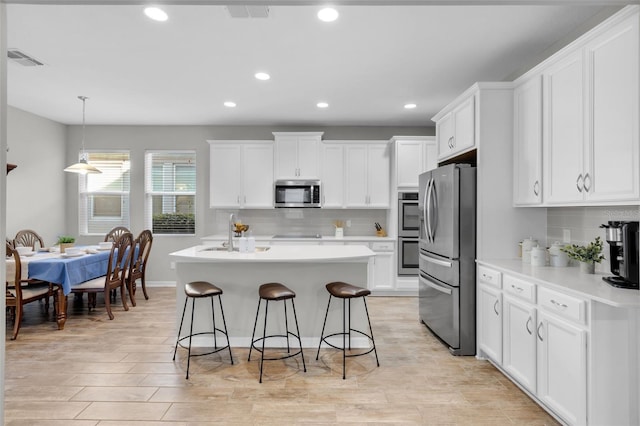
427, 210
436, 261
434, 201
435, 286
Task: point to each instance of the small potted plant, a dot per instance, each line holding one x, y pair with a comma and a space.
65, 241
587, 255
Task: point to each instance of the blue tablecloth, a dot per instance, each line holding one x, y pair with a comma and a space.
69, 271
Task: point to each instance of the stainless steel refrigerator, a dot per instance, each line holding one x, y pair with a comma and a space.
447, 208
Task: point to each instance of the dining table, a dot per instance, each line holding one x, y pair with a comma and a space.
63, 269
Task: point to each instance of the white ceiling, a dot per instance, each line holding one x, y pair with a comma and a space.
366, 65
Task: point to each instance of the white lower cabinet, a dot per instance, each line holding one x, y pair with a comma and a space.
562, 370
537, 337
381, 272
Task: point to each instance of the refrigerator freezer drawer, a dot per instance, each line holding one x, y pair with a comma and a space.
439, 310
442, 269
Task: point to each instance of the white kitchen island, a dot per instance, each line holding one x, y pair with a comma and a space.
304, 269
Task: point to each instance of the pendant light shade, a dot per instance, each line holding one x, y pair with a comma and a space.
82, 166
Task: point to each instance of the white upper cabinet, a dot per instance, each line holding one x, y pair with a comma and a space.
332, 174
413, 156
591, 147
612, 159
241, 174
527, 183
297, 155
367, 175
455, 129
564, 142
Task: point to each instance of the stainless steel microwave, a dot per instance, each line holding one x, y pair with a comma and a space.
297, 193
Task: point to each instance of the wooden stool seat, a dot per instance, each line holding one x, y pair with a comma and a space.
199, 290
346, 291
275, 291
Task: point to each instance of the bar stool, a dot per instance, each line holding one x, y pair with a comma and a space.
346, 292
275, 292
199, 290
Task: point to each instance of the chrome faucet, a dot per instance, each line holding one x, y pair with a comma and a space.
232, 221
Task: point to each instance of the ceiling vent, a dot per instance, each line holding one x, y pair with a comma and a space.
248, 11
22, 58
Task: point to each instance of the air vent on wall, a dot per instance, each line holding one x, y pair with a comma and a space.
22, 58
248, 11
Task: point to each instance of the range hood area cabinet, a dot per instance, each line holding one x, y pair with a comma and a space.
241, 174
577, 138
297, 155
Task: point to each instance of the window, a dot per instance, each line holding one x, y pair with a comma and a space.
170, 192
104, 197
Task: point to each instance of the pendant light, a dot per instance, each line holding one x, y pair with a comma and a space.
82, 166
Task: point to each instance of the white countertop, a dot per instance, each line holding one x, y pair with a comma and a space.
278, 254
287, 239
569, 280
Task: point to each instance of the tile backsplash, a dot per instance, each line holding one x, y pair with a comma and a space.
302, 221
583, 224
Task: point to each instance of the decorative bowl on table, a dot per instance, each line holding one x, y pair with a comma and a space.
74, 251
239, 228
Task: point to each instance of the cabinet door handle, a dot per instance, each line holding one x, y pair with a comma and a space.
579, 183
495, 308
238, 199
245, 199
536, 188
450, 142
527, 325
538, 332
559, 305
587, 182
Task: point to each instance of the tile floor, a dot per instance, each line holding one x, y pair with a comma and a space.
120, 372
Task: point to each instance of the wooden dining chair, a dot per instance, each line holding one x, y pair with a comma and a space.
116, 233
115, 278
9, 242
28, 238
18, 293
138, 264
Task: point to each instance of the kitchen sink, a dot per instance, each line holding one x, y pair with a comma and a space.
297, 236
235, 249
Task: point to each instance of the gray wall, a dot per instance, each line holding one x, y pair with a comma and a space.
36, 196
137, 139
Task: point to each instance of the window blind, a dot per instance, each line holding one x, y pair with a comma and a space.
103, 199
170, 192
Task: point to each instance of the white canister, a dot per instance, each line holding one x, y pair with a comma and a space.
538, 256
556, 256
527, 245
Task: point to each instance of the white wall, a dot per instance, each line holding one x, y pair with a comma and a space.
36, 197
137, 139
584, 223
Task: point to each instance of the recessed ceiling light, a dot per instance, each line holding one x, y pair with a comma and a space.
156, 14
328, 14
322, 105
262, 76
410, 106
230, 104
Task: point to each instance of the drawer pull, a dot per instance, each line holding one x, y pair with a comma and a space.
495, 308
518, 289
559, 305
487, 277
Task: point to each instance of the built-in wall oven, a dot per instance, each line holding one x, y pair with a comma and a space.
408, 233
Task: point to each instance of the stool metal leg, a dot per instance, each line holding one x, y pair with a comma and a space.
349, 321
295, 317
226, 331
373, 342
264, 337
286, 324
253, 335
193, 309
344, 336
323, 326
213, 318
184, 309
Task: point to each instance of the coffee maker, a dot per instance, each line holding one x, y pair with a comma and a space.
623, 253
